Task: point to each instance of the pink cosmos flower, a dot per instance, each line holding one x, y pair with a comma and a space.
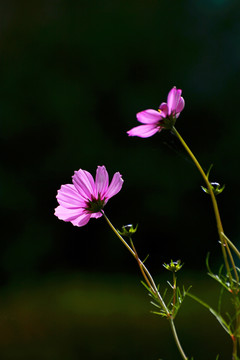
154, 121
85, 198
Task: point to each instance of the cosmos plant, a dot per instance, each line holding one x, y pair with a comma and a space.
85, 198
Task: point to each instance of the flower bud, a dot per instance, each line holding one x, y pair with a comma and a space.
128, 230
173, 266
216, 188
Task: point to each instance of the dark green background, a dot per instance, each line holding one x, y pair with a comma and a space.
73, 76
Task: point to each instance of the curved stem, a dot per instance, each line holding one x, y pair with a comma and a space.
148, 277
223, 242
237, 252
177, 340
215, 206
151, 282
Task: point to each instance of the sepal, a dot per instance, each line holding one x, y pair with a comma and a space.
128, 230
215, 186
173, 266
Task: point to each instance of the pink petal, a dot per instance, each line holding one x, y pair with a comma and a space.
84, 183
173, 99
96, 215
68, 214
115, 186
149, 116
73, 199
144, 131
180, 105
164, 109
102, 181
69, 197
81, 220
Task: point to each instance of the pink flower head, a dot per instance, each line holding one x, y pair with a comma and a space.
154, 121
85, 198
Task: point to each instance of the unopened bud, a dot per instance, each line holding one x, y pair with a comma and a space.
174, 266
216, 188
128, 230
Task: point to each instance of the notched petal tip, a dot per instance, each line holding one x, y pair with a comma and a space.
115, 186
84, 183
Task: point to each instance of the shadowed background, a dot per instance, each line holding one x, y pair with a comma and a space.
73, 77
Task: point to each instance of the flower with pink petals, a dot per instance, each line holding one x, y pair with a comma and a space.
154, 121
85, 198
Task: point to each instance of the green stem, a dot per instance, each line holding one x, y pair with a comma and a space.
224, 241
151, 283
180, 349
143, 271
214, 202
174, 292
234, 339
231, 245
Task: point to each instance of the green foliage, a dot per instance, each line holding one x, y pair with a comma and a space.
223, 280
231, 287
173, 303
226, 326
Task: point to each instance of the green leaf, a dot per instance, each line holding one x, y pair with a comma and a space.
219, 318
148, 289
221, 279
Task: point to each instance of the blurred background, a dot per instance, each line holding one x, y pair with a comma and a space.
73, 76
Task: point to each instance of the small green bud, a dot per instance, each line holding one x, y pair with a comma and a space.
216, 188
214, 185
128, 230
174, 266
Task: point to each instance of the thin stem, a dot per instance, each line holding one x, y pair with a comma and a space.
231, 245
214, 202
224, 241
234, 339
228, 242
177, 340
233, 264
151, 283
174, 292
140, 265
118, 235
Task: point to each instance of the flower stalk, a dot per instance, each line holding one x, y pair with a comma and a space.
150, 282
223, 242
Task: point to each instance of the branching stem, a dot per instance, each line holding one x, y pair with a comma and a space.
224, 241
148, 278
